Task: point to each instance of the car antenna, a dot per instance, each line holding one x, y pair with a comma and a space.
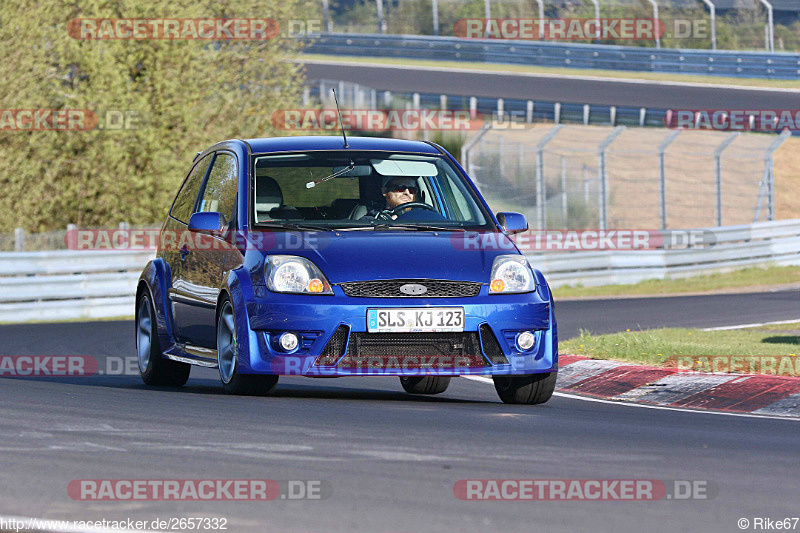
339, 113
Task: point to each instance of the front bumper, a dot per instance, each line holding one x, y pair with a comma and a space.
315, 319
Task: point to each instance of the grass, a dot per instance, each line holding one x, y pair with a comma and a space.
526, 69
747, 280
792, 327
660, 347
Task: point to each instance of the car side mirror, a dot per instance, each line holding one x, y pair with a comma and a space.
512, 222
206, 222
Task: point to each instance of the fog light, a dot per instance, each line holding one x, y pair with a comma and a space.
288, 341
525, 340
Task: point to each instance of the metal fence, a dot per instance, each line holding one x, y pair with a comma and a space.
356, 96
569, 166
686, 23
25, 241
563, 176
585, 56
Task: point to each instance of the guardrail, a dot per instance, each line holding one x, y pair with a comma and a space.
761, 244
571, 55
506, 112
68, 284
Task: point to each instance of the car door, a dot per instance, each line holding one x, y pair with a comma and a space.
174, 248
203, 266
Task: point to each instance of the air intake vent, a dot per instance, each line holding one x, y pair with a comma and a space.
491, 348
375, 351
425, 344
335, 347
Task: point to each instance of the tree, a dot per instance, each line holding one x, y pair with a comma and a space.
179, 96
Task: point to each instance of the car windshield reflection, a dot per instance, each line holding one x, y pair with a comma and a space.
363, 190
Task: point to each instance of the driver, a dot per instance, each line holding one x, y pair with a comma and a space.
397, 190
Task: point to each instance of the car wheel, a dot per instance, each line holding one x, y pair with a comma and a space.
228, 359
153, 367
425, 384
530, 389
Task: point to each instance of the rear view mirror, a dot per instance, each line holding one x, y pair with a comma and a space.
512, 222
356, 171
209, 222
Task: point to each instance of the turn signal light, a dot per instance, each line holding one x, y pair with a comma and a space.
498, 285
315, 285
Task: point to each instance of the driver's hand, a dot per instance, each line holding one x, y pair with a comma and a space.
386, 214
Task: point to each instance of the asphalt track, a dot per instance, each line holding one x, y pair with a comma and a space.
553, 88
391, 459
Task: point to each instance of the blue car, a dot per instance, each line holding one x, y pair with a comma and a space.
329, 257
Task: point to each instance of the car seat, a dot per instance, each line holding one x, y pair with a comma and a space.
268, 197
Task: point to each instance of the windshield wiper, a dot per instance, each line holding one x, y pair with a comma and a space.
367, 227
418, 227
312, 184
295, 226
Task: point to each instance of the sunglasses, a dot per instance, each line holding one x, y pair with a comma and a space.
413, 189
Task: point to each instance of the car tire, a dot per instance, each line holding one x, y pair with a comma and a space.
153, 367
530, 389
425, 384
228, 358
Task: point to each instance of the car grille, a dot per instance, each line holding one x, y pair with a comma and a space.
398, 344
436, 288
412, 350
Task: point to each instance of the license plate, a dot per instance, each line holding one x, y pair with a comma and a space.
410, 320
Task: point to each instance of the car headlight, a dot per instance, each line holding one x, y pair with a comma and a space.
293, 274
511, 274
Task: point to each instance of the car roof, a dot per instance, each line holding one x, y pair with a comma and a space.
335, 142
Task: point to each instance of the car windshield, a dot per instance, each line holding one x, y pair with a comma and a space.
363, 190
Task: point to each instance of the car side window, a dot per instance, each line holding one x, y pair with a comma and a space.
455, 196
219, 194
183, 207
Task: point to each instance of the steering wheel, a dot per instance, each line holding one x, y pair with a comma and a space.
387, 214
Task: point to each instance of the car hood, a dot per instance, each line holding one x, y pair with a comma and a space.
397, 254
